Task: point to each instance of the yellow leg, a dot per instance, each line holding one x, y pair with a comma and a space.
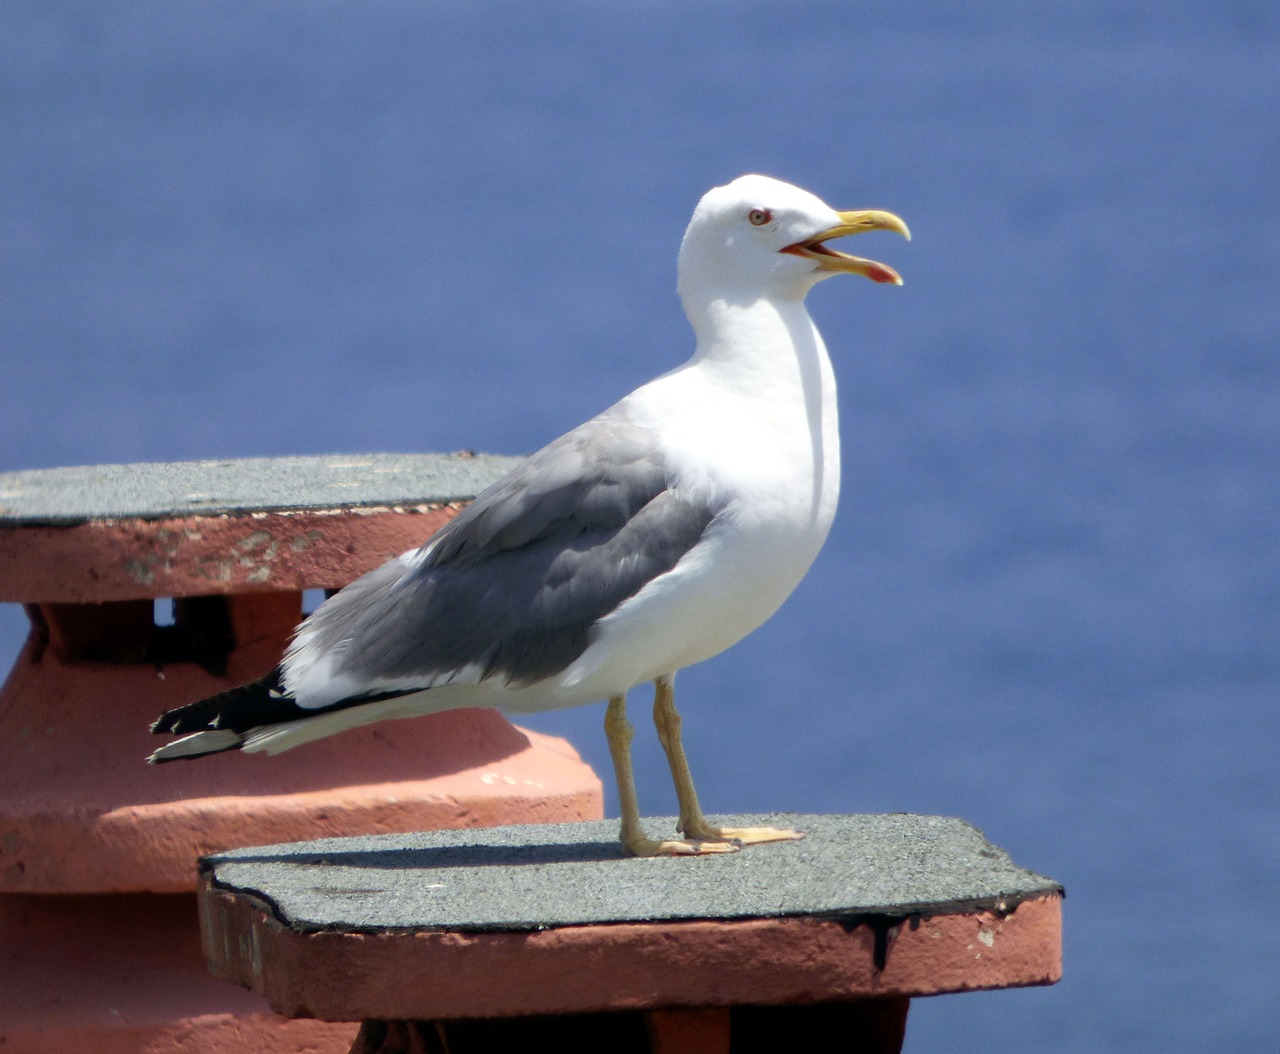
693, 825
618, 731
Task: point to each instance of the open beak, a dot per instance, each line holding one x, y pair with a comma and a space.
853, 223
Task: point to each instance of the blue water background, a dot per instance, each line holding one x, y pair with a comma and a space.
1049, 601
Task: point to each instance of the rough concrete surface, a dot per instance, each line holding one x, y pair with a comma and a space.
186, 488
532, 877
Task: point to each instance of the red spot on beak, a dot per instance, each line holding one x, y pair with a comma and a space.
885, 275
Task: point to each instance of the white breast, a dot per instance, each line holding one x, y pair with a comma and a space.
755, 434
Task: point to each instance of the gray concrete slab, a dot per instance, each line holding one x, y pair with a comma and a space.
191, 488
538, 876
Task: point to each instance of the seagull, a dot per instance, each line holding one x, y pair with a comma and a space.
648, 539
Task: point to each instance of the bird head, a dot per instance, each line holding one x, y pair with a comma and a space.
760, 237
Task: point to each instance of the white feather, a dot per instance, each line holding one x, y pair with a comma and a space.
197, 743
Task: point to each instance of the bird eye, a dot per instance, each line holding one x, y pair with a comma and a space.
759, 217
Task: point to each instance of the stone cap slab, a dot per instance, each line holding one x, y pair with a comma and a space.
149, 491
133, 532
555, 919
533, 877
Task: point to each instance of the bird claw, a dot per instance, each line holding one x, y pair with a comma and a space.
680, 847
703, 839
702, 831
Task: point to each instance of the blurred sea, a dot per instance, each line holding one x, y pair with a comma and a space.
1049, 602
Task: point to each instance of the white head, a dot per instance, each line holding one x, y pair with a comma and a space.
758, 237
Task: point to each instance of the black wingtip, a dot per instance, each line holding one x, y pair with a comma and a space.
238, 709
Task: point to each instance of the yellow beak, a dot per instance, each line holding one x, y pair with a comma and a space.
855, 222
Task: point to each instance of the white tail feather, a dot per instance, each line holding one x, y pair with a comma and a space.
272, 739
197, 743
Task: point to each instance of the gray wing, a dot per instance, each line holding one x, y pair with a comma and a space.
513, 586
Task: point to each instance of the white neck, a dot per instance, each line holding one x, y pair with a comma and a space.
770, 345
759, 398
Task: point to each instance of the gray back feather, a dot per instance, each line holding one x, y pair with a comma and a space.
513, 585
